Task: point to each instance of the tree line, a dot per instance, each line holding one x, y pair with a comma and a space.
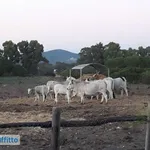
134, 64
25, 58
20, 59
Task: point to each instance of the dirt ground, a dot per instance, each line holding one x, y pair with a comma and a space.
16, 107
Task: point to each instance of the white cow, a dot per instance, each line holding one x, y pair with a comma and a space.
62, 89
50, 85
70, 78
97, 96
120, 84
91, 88
39, 90
110, 87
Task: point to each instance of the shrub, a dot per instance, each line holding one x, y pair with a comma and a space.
46, 69
132, 74
19, 71
145, 78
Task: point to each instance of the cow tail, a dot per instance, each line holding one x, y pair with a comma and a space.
123, 78
105, 83
125, 81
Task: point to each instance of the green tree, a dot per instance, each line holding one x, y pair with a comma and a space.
60, 66
132, 61
1, 54
148, 50
112, 50
85, 56
45, 69
97, 52
31, 54
142, 51
93, 54
115, 63
11, 52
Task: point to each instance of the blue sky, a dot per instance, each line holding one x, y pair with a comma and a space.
74, 24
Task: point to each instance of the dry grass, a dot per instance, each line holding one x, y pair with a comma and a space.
25, 109
8, 117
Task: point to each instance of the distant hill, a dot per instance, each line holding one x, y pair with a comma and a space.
60, 55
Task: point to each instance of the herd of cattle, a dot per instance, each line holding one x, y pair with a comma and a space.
107, 87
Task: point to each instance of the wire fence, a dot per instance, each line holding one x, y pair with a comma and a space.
57, 122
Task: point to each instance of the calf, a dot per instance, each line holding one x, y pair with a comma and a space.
61, 89
50, 85
39, 90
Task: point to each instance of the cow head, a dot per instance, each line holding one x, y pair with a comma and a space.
30, 91
70, 85
87, 80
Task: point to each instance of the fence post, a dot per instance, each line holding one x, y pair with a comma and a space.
55, 128
147, 139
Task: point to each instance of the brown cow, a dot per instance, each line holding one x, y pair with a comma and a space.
99, 76
86, 76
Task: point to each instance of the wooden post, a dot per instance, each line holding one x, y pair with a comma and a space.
70, 72
108, 72
147, 139
80, 74
55, 128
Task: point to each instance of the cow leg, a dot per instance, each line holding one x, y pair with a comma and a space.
111, 94
108, 95
50, 95
36, 97
82, 99
91, 97
104, 95
68, 97
126, 91
56, 95
97, 96
122, 92
102, 99
114, 95
43, 97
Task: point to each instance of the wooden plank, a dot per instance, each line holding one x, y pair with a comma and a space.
55, 128
147, 138
76, 123
46, 124
101, 121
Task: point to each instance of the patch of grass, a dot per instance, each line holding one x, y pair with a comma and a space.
128, 125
